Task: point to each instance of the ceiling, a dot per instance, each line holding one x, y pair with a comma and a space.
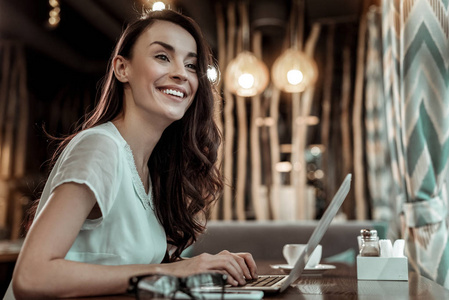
85, 36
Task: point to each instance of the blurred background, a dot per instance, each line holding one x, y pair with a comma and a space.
61, 50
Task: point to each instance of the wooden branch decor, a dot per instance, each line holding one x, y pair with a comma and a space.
229, 122
348, 205
221, 40
5, 51
275, 153
308, 212
13, 134
357, 124
256, 164
326, 109
274, 191
242, 145
10, 99
296, 160
297, 36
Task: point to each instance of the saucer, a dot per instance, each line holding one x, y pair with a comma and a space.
317, 270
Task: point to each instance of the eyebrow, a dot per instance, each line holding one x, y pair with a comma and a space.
172, 49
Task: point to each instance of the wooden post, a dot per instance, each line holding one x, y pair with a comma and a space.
242, 144
229, 123
306, 107
296, 160
219, 104
22, 117
256, 165
275, 153
357, 124
348, 206
329, 184
5, 50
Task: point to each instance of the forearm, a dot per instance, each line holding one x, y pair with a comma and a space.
62, 278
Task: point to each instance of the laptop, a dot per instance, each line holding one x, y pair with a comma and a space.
278, 283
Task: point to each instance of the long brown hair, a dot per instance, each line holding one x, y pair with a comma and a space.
182, 165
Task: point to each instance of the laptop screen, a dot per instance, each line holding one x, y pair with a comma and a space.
319, 232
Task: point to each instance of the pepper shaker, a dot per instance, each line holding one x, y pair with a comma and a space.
370, 243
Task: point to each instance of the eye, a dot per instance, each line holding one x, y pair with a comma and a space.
193, 67
162, 57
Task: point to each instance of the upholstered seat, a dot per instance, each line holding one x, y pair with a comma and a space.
266, 239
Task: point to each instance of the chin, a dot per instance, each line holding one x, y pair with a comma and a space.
174, 118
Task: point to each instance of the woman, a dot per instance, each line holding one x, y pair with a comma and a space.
138, 176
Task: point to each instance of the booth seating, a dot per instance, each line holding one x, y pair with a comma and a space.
265, 239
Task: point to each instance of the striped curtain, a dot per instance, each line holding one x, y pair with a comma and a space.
377, 152
416, 90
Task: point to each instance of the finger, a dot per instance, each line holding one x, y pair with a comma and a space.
250, 267
250, 263
235, 270
229, 262
223, 261
232, 273
229, 279
240, 259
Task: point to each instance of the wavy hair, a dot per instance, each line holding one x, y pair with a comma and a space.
182, 166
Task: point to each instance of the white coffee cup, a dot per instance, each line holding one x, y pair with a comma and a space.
291, 253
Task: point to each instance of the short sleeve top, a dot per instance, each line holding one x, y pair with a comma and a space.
128, 231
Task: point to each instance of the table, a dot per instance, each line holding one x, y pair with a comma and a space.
342, 283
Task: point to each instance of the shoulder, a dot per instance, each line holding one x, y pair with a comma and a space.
104, 133
103, 138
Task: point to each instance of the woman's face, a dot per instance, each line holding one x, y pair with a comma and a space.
161, 73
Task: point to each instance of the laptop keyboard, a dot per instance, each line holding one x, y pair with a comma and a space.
265, 281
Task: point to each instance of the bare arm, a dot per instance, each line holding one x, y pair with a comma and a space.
42, 271
41, 268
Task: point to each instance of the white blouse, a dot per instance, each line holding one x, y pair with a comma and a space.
128, 231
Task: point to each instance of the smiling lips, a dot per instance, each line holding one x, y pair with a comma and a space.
173, 92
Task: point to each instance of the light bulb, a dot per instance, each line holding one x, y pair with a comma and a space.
159, 5
284, 166
53, 3
294, 77
246, 75
246, 81
294, 71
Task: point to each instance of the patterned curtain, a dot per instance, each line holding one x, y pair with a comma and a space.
377, 152
416, 90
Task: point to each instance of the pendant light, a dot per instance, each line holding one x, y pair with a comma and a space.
294, 71
246, 75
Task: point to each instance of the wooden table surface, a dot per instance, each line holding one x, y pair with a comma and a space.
342, 283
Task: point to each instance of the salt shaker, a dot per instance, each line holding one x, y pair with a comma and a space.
370, 243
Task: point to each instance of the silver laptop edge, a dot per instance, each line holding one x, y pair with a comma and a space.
318, 232
314, 240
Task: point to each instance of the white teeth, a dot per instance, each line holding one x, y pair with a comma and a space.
173, 92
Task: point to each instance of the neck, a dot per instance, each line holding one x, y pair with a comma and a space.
141, 138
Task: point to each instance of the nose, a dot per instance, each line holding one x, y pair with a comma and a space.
179, 71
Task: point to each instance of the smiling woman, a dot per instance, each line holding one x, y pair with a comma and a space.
161, 75
132, 188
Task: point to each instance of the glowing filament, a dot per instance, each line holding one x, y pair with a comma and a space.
246, 81
159, 5
294, 77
